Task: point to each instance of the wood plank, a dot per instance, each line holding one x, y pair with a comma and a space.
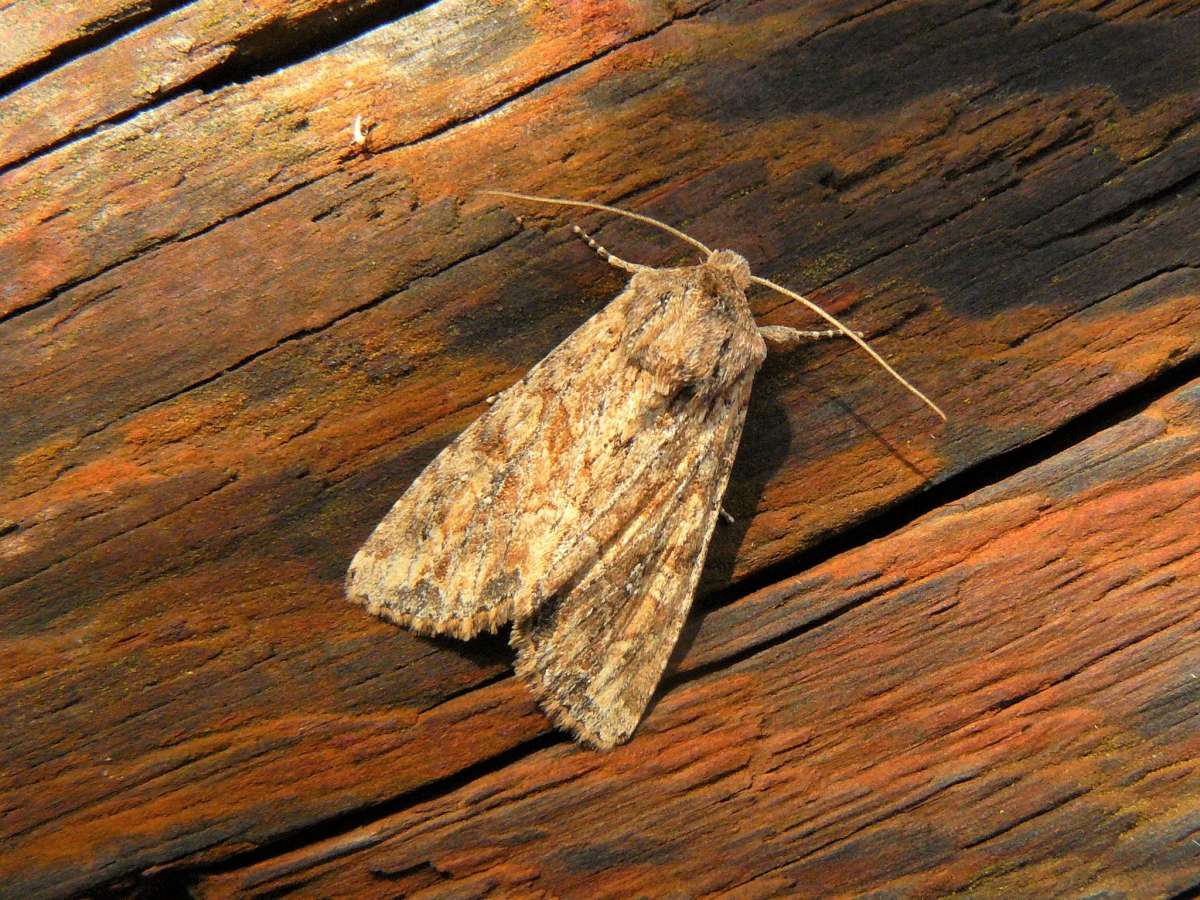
38, 32
207, 43
230, 346
205, 158
997, 700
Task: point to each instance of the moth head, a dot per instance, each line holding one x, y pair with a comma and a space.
731, 264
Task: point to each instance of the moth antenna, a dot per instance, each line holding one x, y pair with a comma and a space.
558, 201
854, 337
625, 264
612, 209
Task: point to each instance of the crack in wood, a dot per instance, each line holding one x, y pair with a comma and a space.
92, 36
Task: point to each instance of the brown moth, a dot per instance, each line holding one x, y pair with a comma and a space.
579, 506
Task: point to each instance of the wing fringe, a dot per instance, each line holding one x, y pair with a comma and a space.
464, 628
559, 715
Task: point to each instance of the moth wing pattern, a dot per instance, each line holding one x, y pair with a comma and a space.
597, 479
472, 542
594, 654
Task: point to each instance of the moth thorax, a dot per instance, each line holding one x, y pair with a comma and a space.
732, 264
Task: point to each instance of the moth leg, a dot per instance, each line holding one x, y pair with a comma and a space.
605, 255
780, 337
726, 516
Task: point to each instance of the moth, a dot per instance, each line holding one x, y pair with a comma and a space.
579, 506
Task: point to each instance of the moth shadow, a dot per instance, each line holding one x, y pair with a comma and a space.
891, 448
484, 650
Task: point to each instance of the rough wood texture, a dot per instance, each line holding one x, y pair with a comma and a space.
230, 342
154, 62
932, 712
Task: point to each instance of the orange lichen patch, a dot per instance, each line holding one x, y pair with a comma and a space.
391, 424
792, 503
1134, 136
101, 476
1170, 331
35, 465
182, 419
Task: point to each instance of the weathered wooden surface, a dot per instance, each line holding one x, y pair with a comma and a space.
962, 722
229, 343
202, 40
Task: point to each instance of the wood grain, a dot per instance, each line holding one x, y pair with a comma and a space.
230, 342
203, 41
40, 34
1005, 699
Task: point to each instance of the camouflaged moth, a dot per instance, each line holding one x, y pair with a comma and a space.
579, 506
